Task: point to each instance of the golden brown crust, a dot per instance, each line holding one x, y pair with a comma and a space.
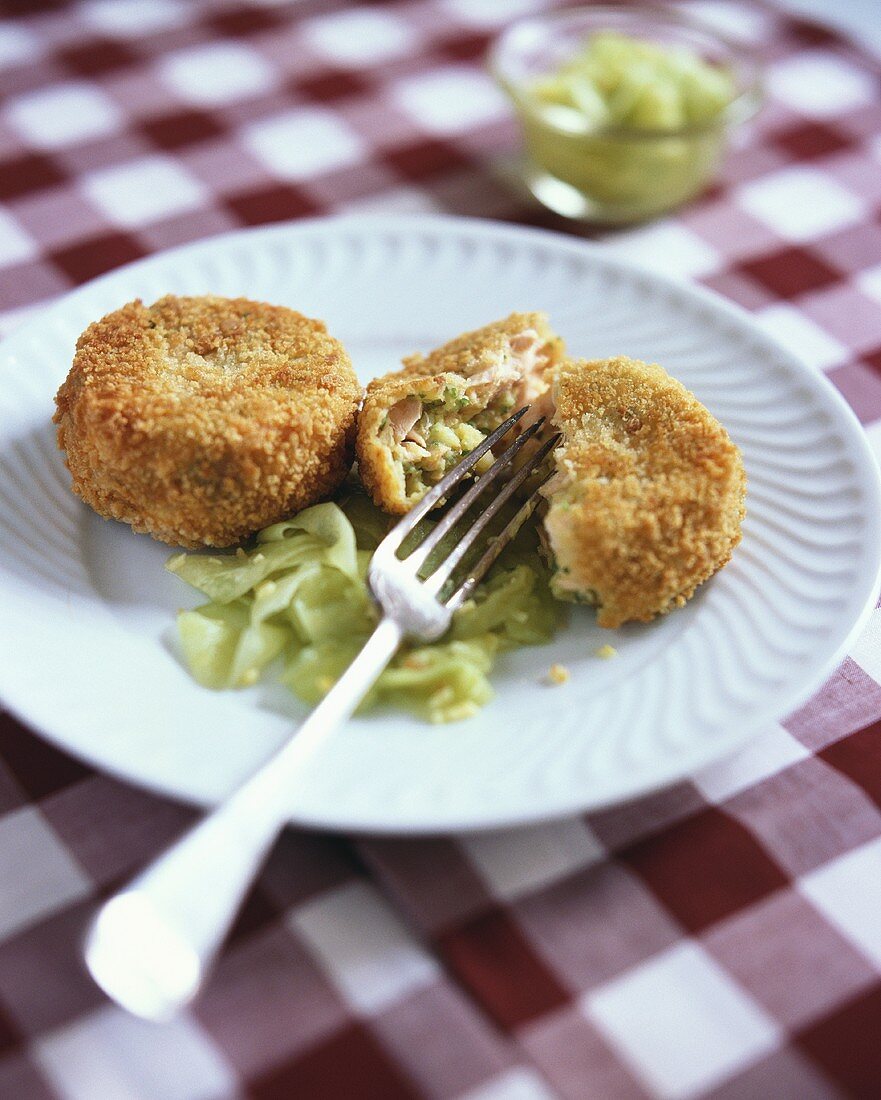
649, 496
430, 375
201, 420
472, 351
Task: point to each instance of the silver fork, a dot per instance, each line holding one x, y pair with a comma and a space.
151, 946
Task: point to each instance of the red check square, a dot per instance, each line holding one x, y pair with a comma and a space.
845, 1044
425, 158
330, 85
705, 868
182, 128
812, 139
9, 1034
859, 758
27, 173
352, 1063
470, 47
790, 272
97, 57
873, 360
93, 257
273, 203
246, 21
494, 959
39, 769
808, 33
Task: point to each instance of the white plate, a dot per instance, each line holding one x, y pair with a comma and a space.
86, 651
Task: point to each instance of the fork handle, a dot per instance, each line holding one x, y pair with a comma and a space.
151, 945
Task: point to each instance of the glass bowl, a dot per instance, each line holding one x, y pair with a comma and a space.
616, 174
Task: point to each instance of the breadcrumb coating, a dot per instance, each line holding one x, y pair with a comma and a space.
472, 352
202, 420
478, 377
648, 498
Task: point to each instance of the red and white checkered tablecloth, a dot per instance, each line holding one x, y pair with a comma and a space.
722, 938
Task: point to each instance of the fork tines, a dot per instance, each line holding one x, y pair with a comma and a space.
501, 467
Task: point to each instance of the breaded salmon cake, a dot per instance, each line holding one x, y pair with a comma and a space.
417, 422
201, 420
648, 496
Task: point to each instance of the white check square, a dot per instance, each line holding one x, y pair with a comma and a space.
681, 1023
395, 200
129, 18
303, 143
820, 84
869, 282
801, 336
63, 115
143, 191
364, 949
514, 861
358, 37
737, 20
488, 13
800, 203
15, 244
668, 248
17, 45
217, 73
847, 891
450, 100
38, 875
766, 755
519, 1083
112, 1054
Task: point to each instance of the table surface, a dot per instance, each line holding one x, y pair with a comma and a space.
856, 18
720, 938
